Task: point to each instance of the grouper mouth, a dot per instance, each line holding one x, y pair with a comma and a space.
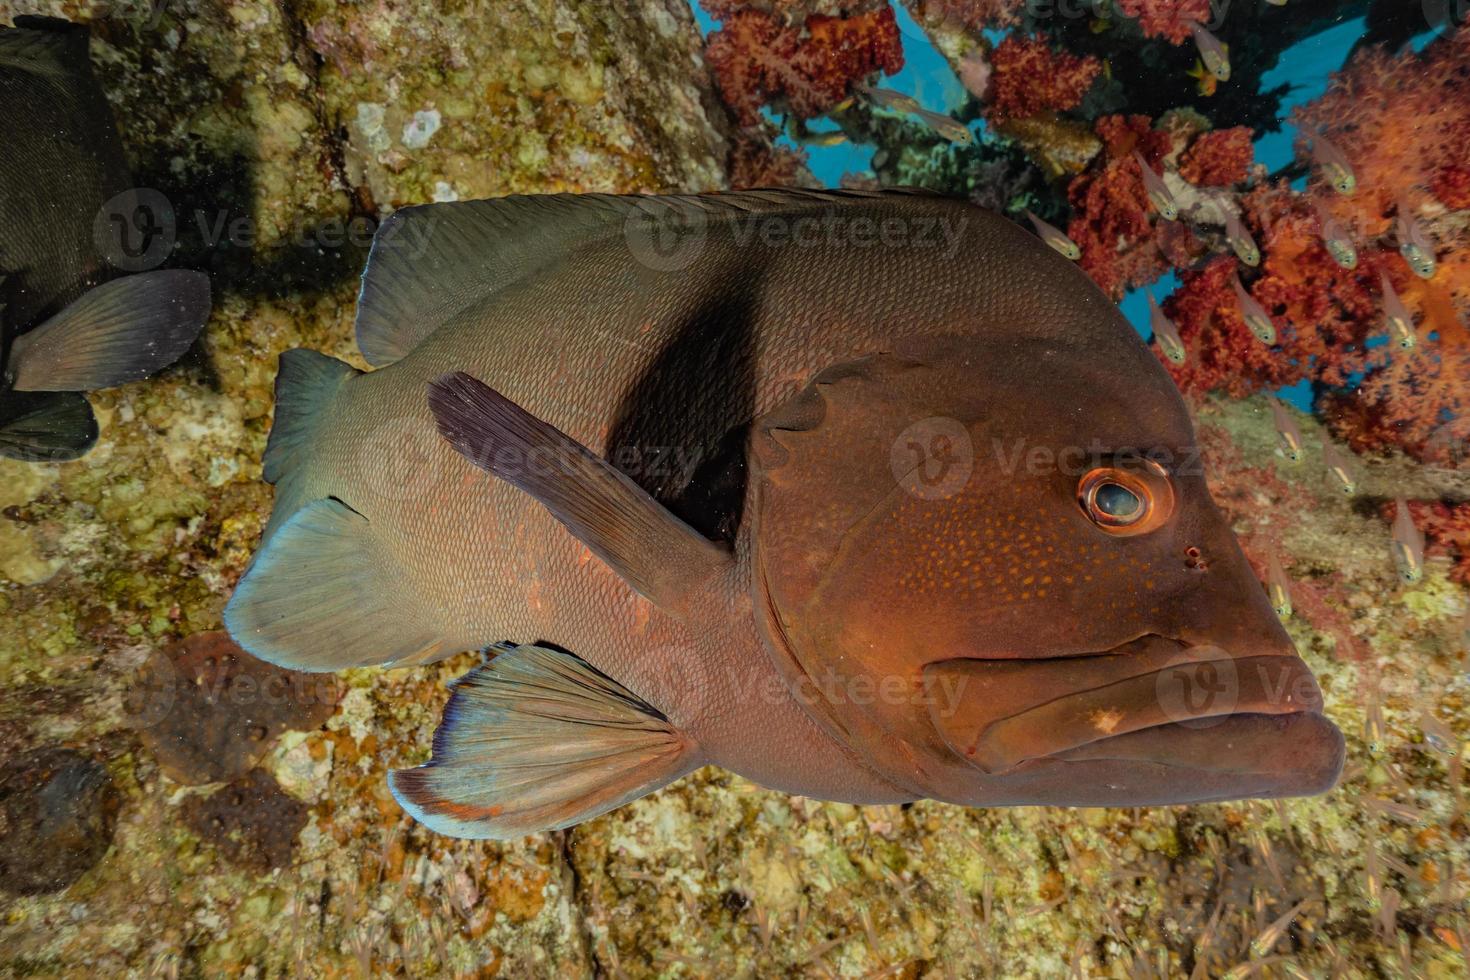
1154, 721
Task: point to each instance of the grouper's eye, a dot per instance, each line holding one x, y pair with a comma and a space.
1129, 498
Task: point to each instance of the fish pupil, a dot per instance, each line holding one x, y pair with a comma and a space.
1117, 501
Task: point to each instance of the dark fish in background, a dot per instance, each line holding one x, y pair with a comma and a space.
909, 602
67, 323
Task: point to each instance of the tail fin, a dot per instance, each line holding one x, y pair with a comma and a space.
306, 384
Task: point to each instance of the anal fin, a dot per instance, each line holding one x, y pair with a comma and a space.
538, 740
322, 595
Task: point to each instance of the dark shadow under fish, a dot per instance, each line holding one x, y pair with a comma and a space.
68, 322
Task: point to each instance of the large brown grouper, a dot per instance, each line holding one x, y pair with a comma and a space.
880, 499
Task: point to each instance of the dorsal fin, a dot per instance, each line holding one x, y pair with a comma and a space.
431, 261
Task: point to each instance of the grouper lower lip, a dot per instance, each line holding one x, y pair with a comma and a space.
1243, 756
1197, 710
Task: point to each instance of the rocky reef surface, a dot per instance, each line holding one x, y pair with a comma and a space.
280, 133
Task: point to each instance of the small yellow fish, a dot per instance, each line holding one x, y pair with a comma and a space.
1254, 314
1286, 429
1414, 244
1240, 239
1205, 83
834, 138
1212, 51
1278, 587
887, 98
1337, 466
1165, 332
1408, 544
1055, 237
947, 126
798, 132
1334, 163
1336, 241
1158, 192
1400, 322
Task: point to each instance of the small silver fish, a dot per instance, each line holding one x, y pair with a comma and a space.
1240, 239
1266, 941
1165, 332
1287, 431
947, 126
1414, 244
1337, 466
887, 98
1408, 544
1334, 163
1158, 192
1336, 241
1254, 314
1397, 317
1278, 587
1212, 51
1437, 734
1055, 237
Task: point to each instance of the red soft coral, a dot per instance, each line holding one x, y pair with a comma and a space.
1110, 208
1028, 77
1218, 158
757, 60
1168, 19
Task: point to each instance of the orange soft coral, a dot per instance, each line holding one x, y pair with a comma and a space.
1028, 77
1323, 313
758, 60
1404, 123
1168, 19
1218, 158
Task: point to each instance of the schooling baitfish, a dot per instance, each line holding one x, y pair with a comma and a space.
869, 497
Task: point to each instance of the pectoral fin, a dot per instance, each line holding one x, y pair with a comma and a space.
538, 740
121, 331
655, 552
46, 427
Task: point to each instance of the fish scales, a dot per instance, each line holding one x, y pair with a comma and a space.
414, 519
